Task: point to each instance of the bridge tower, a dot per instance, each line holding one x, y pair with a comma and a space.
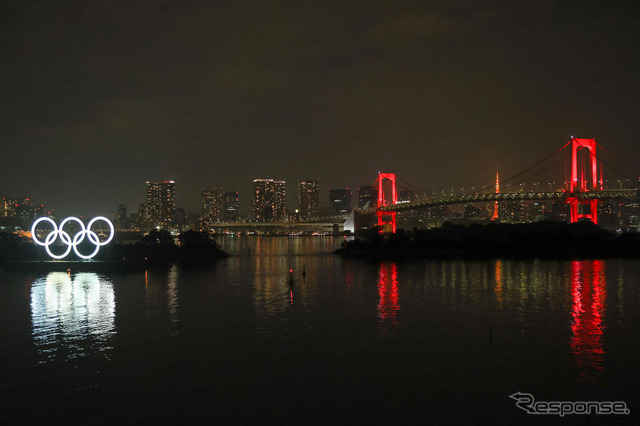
580, 181
495, 207
386, 218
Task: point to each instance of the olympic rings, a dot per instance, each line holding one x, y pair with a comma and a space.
65, 238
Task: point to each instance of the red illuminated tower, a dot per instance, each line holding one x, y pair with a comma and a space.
386, 218
495, 209
583, 164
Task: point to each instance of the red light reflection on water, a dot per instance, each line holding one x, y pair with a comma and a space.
389, 299
498, 289
588, 295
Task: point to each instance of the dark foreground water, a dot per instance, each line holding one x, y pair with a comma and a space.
354, 342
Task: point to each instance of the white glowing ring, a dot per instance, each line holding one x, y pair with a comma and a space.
51, 238
79, 237
65, 238
111, 234
35, 224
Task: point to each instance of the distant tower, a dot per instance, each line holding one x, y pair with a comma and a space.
212, 204
161, 203
366, 196
269, 202
230, 213
340, 201
309, 197
495, 208
121, 219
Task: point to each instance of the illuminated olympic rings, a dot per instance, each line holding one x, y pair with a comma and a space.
65, 238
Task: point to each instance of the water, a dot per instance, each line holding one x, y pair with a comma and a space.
435, 341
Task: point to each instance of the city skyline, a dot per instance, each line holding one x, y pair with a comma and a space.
100, 96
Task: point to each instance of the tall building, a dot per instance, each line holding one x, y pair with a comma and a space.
366, 196
161, 203
143, 212
121, 218
269, 200
309, 197
230, 213
181, 217
212, 204
340, 201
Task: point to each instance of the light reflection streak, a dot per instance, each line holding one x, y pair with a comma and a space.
389, 299
72, 316
588, 295
499, 283
172, 295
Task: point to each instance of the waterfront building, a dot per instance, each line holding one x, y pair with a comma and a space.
143, 212
161, 203
230, 205
181, 217
340, 201
309, 198
269, 200
212, 204
366, 196
122, 221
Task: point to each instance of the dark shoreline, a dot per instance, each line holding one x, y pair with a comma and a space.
155, 250
540, 240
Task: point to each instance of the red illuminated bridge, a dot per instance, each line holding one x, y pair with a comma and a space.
584, 188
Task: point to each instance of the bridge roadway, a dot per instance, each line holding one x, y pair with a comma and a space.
320, 225
616, 194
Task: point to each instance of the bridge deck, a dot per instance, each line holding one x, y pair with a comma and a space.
618, 194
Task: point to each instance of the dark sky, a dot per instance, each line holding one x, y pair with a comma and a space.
100, 96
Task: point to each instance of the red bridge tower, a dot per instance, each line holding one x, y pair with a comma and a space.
583, 163
386, 218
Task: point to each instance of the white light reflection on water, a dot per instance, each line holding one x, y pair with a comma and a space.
72, 315
172, 299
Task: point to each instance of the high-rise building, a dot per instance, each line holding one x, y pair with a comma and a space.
181, 217
121, 218
269, 200
143, 212
366, 196
340, 201
212, 204
135, 221
230, 213
161, 203
309, 197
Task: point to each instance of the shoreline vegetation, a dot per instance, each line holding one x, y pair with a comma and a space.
156, 249
546, 239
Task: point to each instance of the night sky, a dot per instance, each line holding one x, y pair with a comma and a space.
100, 96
